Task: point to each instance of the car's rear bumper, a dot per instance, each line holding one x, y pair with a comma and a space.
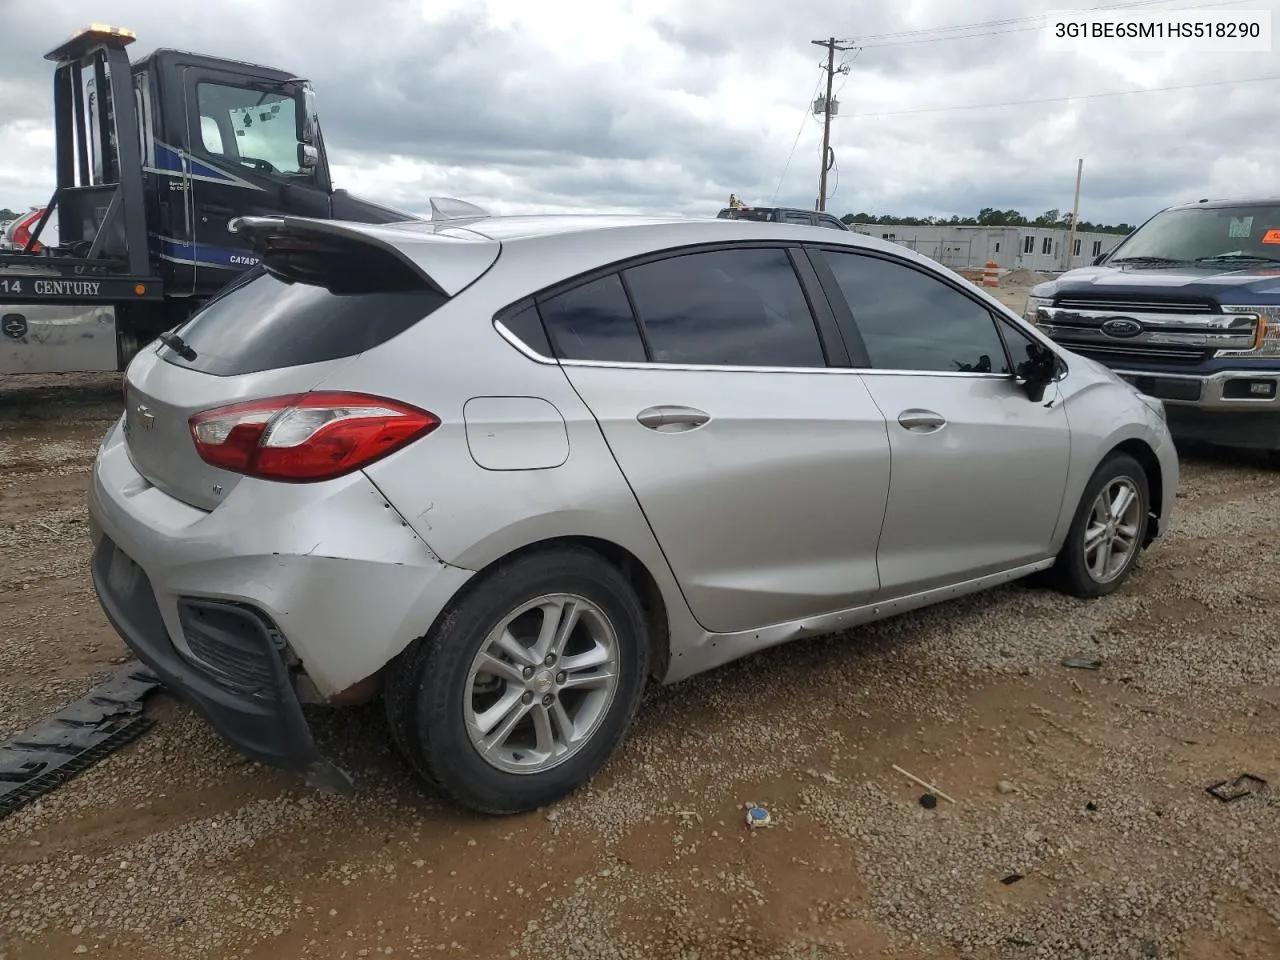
253, 705
283, 594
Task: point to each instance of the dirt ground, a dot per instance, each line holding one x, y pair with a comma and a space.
1081, 826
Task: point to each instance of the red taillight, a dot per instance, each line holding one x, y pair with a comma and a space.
306, 437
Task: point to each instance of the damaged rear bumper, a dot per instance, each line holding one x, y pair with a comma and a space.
248, 697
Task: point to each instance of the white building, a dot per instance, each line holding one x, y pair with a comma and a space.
1034, 248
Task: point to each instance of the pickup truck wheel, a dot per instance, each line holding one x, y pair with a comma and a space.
1107, 532
526, 685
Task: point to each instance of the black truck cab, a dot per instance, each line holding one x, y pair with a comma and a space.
222, 139
154, 159
1186, 308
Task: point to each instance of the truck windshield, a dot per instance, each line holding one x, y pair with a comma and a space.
1196, 234
249, 127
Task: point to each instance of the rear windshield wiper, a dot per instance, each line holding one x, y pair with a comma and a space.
1238, 258
1164, 260
177, 345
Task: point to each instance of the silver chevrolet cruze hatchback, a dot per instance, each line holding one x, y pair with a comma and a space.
503, 471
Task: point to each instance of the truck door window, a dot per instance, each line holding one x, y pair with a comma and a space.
251, 127
212, 136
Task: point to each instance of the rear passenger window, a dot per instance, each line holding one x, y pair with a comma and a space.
526, 326
728, 308
593, 322
910, 321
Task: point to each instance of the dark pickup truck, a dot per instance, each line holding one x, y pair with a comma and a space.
1187, 309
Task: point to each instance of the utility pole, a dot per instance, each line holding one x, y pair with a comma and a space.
1075, 215
827, 109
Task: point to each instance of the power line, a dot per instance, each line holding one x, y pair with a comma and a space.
1038, 18
1080, 96
808, 105
1035, 26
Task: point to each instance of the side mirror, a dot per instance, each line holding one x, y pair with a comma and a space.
308, 156
305, 110
1038, 371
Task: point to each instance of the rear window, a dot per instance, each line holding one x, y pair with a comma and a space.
746, 213
265, 323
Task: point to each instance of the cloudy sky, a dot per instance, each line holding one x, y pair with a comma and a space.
671, 105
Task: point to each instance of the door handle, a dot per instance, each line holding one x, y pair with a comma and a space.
670, 418
921, 421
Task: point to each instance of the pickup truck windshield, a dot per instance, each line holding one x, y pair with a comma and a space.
1195, 234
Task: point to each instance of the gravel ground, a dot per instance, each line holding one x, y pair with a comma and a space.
1088, 786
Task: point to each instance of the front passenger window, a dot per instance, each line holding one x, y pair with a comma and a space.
910, 321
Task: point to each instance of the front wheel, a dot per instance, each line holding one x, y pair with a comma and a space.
526, 686
1107, 532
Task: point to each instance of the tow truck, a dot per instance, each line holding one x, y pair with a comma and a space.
154, 159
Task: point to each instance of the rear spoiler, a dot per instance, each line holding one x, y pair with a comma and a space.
352, 257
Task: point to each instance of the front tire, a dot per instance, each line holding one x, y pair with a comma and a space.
526, 685
1107, 532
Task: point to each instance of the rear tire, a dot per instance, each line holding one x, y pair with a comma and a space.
1107, 533
502, 708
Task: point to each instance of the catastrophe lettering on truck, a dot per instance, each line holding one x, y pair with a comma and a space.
201, 254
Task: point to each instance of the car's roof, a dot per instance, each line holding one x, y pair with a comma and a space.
1229, 202
532, 227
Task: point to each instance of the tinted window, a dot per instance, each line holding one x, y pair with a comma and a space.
526, 326
1019, 343
910, 321
264, 323
593, 322
745, 213
803, 218
831, 222
727, 307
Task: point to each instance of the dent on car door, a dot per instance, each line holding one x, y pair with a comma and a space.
979, 470
763, 474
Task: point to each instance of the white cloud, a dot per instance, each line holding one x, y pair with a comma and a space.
666, 106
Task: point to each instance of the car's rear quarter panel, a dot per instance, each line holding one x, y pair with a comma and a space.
472, 515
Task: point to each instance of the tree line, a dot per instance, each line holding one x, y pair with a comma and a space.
991, 217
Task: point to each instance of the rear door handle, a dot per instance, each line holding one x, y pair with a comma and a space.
671, 418
921, 421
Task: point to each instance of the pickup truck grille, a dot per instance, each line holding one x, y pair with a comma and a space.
1175, 332
1143, 306
1116, 356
